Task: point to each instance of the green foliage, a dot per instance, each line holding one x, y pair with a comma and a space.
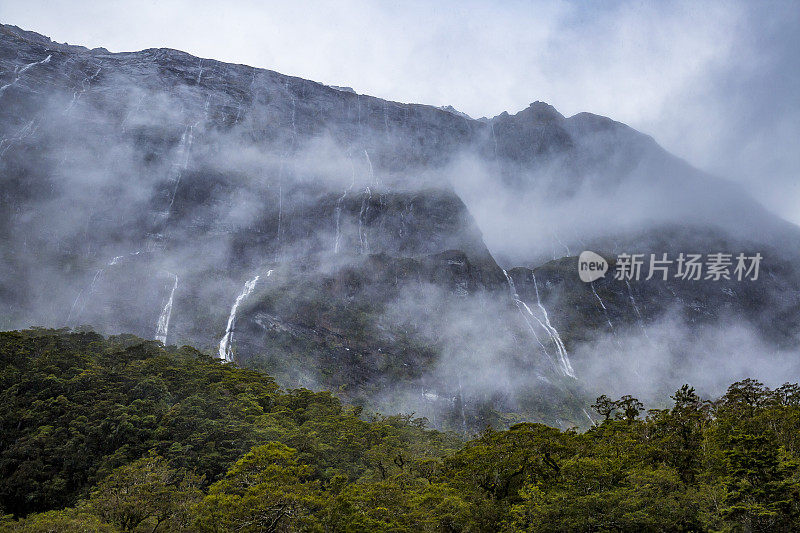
63, 521
146, 494
77, 406
120, 434
266, 490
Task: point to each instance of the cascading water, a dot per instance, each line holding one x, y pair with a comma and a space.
591, 420
22, 70
338, 215
636, 310
92, 287
372, 178
225, 345
200, 72
119, 258
294, 113
562, 243
563, 356
366, 197
27, 130
84, 295
180, 167
523, 309
338, 210
85, 84
603, 307
74, 304
162, 327
280, 215
462, 407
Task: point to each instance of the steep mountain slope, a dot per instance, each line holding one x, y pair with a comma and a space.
338, 239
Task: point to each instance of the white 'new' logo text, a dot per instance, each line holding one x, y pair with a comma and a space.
591, 266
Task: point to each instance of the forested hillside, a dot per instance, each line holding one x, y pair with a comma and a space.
123, 434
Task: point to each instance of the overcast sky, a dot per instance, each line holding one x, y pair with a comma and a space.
716, 83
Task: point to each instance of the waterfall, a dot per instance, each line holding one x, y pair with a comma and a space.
162, 327
338, 215
563, 356
29, 65
636, 310
26, 131
186, 145
463, 407
603, 306
23, 69
294, 113
225, 345
200, 73
97, 275
372, 178
85, 294
85, 84
520, 305
338, 210
280, 214
71, 309
555, 234
119, 258
362, 215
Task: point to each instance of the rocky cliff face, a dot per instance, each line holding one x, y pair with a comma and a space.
338, 239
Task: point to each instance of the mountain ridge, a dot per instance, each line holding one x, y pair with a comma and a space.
343, 241
534, 109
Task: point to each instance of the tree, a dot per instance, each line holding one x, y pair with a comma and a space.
604, 406
63, 521
788, 395
744, 397
762, 493
630, 407
682, 432
146, 493
267, 490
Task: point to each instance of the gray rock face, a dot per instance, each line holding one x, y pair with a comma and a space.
156, 193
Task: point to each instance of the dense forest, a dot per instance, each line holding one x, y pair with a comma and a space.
122, 434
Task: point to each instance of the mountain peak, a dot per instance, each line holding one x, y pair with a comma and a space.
537, 112
541, 112
454, 111
38, 39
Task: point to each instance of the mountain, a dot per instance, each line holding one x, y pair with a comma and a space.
350, 243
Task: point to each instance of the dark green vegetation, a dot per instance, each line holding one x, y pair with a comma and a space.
122, 434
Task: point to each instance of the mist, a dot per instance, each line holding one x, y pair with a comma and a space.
406, 257
708, 358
